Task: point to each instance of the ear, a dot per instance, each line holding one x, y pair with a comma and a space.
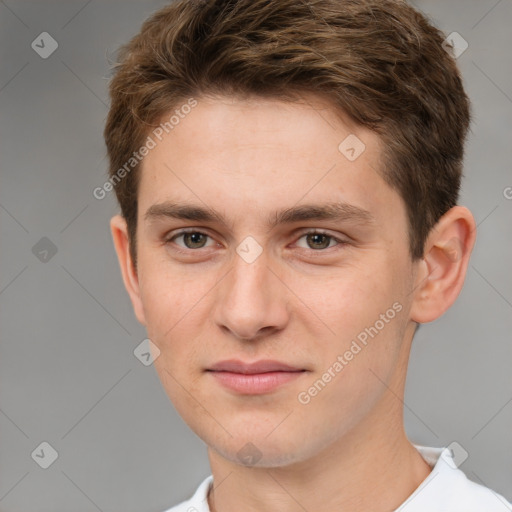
119, 231
442, 270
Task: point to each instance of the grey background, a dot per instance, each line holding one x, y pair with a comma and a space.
68, 375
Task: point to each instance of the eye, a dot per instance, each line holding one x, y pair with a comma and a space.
317, 240
191, 239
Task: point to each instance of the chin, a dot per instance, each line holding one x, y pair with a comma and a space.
263, 449
259, 454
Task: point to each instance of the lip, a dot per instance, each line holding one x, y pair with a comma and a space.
262, 366
254, 378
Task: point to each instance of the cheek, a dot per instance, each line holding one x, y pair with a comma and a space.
355, 298
172, 307
365, 313
355, 370
169, 296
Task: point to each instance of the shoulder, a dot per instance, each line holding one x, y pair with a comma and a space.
447, 489
470, 496
198, 502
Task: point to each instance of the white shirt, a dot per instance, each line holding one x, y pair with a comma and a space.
446, 489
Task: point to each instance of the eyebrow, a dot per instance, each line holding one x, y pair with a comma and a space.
308, 212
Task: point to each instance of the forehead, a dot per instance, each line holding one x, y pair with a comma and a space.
231, 124
228, 152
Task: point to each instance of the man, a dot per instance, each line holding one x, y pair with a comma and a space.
288, 175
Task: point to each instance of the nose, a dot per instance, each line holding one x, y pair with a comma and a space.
251, 300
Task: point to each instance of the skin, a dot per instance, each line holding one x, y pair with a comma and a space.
302, 301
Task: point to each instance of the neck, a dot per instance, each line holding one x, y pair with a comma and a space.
357, 472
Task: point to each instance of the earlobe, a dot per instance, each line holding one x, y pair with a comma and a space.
120, 238
442, 270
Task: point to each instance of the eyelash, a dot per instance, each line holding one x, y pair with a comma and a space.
311, 232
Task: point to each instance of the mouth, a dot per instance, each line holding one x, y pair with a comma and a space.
254, 378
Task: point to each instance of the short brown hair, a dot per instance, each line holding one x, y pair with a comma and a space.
380, 62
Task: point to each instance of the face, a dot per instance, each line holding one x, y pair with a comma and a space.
261, 238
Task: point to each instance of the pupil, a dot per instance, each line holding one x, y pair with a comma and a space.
317, 239
194, 238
